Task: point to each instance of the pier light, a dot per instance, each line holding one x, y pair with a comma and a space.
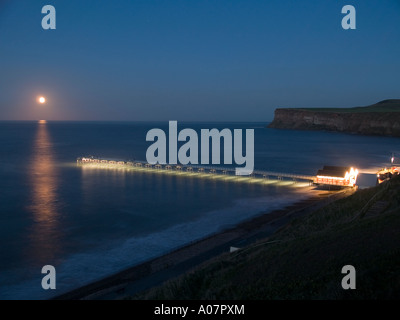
214, 173
338, 176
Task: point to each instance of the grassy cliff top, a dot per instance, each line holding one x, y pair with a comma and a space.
304, 260
390, 105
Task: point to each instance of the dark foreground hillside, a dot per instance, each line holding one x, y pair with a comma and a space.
304, 259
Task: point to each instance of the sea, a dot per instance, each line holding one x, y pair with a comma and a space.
93, 222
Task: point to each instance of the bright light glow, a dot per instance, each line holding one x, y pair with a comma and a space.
42, 121
350, 179
42, 100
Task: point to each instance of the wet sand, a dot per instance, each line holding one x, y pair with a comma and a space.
158, 270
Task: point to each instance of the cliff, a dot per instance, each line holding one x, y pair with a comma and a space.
382, 118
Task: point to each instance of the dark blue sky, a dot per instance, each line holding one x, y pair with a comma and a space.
194, 60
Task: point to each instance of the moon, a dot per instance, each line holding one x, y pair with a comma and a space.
42, 100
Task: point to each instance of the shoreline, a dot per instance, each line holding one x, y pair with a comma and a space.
155, 271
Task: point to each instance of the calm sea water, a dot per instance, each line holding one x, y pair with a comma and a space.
90, 223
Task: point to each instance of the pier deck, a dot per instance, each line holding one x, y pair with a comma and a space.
194, 170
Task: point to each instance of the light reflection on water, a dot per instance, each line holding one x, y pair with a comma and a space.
44, 204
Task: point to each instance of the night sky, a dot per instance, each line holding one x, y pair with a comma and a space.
194, 59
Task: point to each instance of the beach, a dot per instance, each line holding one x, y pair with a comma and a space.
154, 272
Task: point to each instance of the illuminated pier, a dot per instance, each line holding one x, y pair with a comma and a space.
197, 170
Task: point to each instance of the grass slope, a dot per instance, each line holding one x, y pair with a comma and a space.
392, 105
304, 260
